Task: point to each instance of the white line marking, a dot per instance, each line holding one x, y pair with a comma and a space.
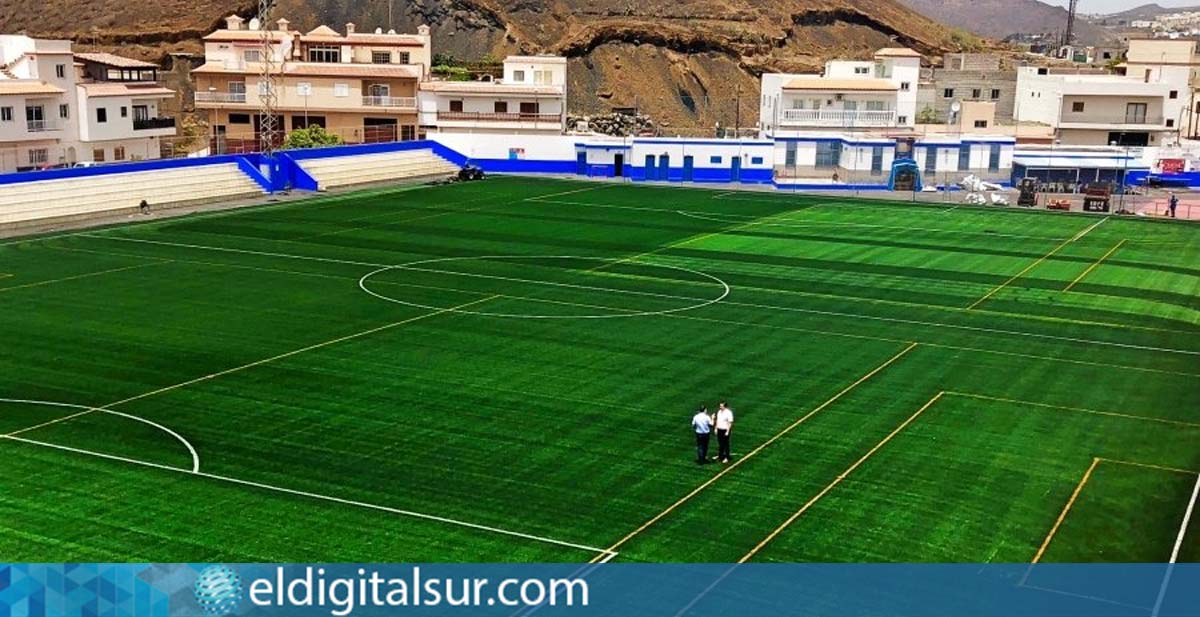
362, 284
1187, 517
1089, 229
317, 496
84, 275
917, 322
582, 190
87, 410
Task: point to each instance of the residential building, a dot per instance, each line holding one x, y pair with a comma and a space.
1088, 109
966, 78
1175, 62
57, 108
849, 95
361, 86
531, 97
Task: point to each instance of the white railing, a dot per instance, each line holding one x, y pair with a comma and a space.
41, 126
837, 117
406, 102
220, 97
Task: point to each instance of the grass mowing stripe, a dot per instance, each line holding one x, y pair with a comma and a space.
243, 367
838, 480
676, 297
310, 495
1094, 265
1062, 516
686, 498
705, 217
1111, 414
1026, 270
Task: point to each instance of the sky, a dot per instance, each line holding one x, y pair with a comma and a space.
1114, 6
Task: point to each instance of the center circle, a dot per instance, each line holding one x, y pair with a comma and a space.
422, 267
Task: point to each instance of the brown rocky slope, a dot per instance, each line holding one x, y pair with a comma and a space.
687, 62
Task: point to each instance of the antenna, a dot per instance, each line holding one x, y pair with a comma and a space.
1069, 35
268, 130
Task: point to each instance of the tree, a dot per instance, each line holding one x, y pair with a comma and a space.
314, 136
928, 115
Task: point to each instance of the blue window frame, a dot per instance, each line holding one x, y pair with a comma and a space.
757, 160
715, 160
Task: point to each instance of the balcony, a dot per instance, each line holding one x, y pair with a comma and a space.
220, 97
1144, 122
482, 117
837, 118
41, 126
395, 102
150, 124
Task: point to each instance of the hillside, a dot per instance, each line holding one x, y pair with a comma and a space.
1147, 11
684, 61
1000, 18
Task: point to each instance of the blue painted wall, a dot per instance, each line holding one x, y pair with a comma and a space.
124, 168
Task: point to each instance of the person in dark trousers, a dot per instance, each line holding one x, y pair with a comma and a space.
1173, 203
724, 430
702, 423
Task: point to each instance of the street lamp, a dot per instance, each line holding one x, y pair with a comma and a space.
1124, 171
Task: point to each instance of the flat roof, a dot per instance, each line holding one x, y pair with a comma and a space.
319, 69
840, 85
484, 87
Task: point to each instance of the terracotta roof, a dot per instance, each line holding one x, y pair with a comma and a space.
898, 52
108, 88
840, 85
320, 69
483, 87
247, 35
115, 60
14, 86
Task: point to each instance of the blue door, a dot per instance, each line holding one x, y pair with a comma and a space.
735, 172
650, 174
664, 167
581, 163
689, 164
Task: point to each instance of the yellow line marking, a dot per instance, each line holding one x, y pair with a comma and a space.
1113, 414
1189, 472
1087, 475
696, 491
64, 279
838, 480
1020, 274
243, 367
1094, 266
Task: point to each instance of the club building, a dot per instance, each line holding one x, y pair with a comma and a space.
59, 108
361, 86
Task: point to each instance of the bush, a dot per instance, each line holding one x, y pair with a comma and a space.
312, 137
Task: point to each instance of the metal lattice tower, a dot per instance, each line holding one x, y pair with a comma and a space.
1069, 35
268, 97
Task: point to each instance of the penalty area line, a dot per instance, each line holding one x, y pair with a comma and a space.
318, 496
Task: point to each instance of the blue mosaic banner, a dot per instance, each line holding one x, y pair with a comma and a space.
341, 590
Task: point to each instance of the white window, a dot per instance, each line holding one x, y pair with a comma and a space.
519, 76
381, 57
64, 111
264, 87
61, 71
325, 53
304, 88
861, 70
252, 55
6, 114
237, 87
543, 77
405, 58
905, 86
341, 90
38, 156
876, 106
902, 120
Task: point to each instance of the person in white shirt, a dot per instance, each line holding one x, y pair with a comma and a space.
702, 423
724, 430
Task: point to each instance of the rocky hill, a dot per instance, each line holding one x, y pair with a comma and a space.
686, 62
1000, 18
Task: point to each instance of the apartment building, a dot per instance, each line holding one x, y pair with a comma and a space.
361, 86
58, 108
966, 78
1175, 62
848, 95
531, 97
1089, 109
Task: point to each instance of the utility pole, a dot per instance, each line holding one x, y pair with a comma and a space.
737, 116
1069, 35
268, 98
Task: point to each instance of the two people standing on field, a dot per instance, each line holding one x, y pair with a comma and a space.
704, 424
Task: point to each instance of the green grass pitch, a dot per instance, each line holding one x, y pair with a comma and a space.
505, 371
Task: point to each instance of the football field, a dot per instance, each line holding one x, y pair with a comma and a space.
506, 371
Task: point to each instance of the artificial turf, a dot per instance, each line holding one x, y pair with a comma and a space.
520, 389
